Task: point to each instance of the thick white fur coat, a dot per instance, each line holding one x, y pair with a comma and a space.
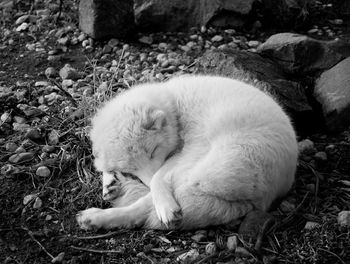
207, 149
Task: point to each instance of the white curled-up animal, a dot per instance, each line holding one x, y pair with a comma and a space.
208, 150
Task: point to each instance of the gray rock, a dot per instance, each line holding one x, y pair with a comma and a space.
232, 243
189, 256
306, 147
262, 73
157, 15
332, 91
106, 18
311, 225
300, 54
21, 157
68, 72
211, 248
344, 218
33, 134
200, 236
43, 171
50, 72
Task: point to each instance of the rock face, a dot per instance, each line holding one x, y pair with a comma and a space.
332, 91
260, 72
106, 18
182, 14
299, 54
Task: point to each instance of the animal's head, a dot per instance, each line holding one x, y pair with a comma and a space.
134, 138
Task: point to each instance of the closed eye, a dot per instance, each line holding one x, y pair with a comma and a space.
154, 151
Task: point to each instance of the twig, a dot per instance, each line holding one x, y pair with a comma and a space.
30, 233
103, 235
70, 97
59, 12
333, 254
97, 250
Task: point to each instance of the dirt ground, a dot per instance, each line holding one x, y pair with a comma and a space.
43, 229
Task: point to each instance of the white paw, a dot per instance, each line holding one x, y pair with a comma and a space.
91, 218
168, 211
110, 192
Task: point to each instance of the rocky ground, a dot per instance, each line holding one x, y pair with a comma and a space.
46, 170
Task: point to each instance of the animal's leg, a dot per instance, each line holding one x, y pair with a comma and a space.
139, 214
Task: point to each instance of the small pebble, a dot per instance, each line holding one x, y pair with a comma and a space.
211, 248
33, 134
37, 203
217, 38
311, 225
50, 72
48, 148
29, 198
287, 207
344, 218
59, 258
21, 157
200, 236
306, 147
242, 251
43, 171
68, 72
232, 243
321, 156
6, 117
11, 147
48, 218
189, 256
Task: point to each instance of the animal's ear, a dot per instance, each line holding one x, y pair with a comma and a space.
154, 120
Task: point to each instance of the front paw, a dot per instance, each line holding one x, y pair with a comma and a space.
111, 192
168, 211
91, 218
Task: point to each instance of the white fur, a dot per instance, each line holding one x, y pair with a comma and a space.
223, 148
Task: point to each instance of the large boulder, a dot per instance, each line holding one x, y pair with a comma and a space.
106, 18
332, 91
264, 74
161, 15
300, 54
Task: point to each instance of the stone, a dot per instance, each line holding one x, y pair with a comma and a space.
21, 157
9, 169
106, 18
59, 258
333, 93
211, 248
321, 156
300, 54
263, 74
43, 171
189, 256
344, 218
33, 134
29, 198
180, 15
50, 72
41, 84
217, 38
232, 243
306, 147
287, 207
68, 72
37, 203
24, 26
311, 225
200, 236
10, 146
